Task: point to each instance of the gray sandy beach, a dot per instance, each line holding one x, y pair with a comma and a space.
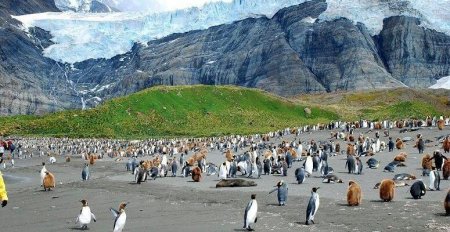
179, 204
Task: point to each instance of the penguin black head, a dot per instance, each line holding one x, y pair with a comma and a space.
315, 189
253, 196
84, 202
43, 163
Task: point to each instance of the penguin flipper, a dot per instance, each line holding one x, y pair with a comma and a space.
256, 219
93, 217
249, 205
114, 212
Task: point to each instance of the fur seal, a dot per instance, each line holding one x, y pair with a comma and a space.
235, 183
353, 194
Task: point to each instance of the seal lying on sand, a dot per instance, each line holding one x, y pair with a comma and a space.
235, 183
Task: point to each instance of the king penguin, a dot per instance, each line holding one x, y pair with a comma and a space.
120, 218
282, 192
300, 175
313, 206
418, 190
85, 174
251, 213
435, 180
85, 216
174, 167
43, 171
308, 164
350, 164
359, 166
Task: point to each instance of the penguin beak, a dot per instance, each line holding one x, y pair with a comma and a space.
317, 188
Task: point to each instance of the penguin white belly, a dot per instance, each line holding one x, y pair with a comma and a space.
85, 217
243, 167
317, 204
120, 223
309, 165
228, 164
432, 180
223, 173
251, 214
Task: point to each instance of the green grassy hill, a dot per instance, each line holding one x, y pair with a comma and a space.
382, 104
172, 111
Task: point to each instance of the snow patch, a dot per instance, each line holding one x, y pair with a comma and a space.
442, 83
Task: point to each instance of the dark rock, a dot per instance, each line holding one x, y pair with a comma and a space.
289, 54
413, 54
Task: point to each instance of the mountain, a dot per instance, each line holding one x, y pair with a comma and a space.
303, 48
91, 6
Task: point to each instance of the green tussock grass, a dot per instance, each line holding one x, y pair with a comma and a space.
174, 112
382, 104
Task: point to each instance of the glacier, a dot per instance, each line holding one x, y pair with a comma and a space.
442, 83
80, 36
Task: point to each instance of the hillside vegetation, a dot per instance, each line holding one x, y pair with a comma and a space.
172, 111
382, 104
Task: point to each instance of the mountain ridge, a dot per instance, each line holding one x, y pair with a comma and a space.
288, 54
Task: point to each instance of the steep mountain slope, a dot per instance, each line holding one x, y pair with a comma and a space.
30, 83
301, 49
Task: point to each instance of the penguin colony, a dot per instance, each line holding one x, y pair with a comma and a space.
275, 160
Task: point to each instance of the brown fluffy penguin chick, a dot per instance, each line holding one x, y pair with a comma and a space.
427, 162
446, 170
353, 194
196, 174
387, 190
49, 181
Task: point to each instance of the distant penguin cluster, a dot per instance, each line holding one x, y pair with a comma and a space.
262, 159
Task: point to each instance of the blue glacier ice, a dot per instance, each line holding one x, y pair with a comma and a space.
79, 36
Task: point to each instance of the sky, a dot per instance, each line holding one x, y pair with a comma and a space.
158, 5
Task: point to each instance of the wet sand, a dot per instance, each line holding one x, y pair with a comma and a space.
178, 204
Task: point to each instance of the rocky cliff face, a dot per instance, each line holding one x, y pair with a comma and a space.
291, 53
414, 55
30, 83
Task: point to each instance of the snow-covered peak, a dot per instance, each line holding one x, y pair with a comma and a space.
94, 6
81, 36
443, 83
74, 5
